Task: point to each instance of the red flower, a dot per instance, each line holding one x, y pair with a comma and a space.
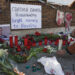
56, 42
18, 48
64, 42
2, 41
40, 43
27, 36
45, 37
45, 41
28, 47
50, 42
68, 42
34, 44
45, 50
29, 43
37, 34
23, 37
31, 38
71, 40
25, 41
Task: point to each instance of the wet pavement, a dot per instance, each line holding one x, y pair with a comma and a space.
67, 62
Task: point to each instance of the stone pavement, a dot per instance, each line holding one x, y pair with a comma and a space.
67, 62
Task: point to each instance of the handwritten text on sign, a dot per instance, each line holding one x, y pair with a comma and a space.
24, 16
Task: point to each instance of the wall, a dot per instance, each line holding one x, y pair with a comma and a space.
46, 30
48, 17
5, 13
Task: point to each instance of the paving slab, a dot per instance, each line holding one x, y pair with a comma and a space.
67, 62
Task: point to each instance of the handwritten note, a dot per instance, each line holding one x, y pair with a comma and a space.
25, 16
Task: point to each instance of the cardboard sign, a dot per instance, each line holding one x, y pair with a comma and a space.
24, 16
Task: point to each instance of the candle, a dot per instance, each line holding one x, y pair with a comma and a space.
60, 44
16, 40
45, 41
40, 43
25, 41
11, 41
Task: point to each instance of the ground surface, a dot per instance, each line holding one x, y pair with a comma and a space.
67, 62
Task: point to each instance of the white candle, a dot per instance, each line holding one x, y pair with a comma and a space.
60, 44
